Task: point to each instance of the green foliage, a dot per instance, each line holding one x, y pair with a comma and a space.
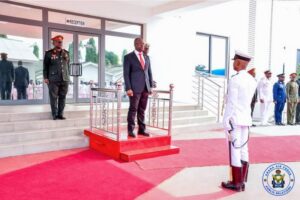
124, 53
71, 52
91, 51
111, 59
36, 50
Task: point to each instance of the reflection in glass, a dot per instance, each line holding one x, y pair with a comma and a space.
68, 44
218, 57
116, 49
88, 55
202, 43
23, 45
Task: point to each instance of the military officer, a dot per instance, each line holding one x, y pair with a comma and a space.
237, 119
7, 76
279, 97
292, 98
298, 105
252, 72
56, 76
265, 89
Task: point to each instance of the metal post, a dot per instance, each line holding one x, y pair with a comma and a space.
170, 109
91, 107
199, 85
202, 94
119, 105
219, 105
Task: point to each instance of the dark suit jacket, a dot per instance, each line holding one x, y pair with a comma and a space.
21, 77
135, 77
7, 72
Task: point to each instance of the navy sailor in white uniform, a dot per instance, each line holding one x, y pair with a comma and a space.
237, 119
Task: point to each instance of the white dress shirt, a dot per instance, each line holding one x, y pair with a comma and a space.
241, 89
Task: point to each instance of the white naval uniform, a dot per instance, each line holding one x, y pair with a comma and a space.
241, 89
265, 92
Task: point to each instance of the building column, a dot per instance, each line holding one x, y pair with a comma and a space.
252, 30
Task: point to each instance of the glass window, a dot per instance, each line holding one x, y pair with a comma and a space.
88, 55
115, 50
123, 27
218, 56
202, 49
20, 11
23, 45
74, 20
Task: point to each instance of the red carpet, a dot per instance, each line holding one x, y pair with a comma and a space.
210, 152
83, 176
89, 175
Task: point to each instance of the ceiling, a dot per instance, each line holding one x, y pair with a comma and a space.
140, 11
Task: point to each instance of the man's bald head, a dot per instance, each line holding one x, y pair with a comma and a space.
139, 44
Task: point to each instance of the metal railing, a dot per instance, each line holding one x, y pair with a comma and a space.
106, 111
209, 93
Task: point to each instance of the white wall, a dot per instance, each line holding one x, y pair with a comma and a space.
173, 48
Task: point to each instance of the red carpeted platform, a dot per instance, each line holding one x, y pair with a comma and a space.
132, 148
209, 152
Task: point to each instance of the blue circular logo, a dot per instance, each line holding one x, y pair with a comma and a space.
278, 179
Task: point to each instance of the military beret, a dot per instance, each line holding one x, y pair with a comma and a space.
58, 38
241, 56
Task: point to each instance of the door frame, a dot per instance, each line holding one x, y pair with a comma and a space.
76, 34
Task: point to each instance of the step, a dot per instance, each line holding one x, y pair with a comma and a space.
197, 127
33, 135
15, 117
39, 146
148, 153
7, 127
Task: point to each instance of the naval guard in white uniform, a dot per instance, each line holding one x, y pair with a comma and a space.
265, 92
237, 119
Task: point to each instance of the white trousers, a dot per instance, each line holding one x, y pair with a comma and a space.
239, 145
265, 112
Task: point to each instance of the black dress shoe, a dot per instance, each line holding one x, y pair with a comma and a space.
61, 117
54, 117
144, 133
131, 134
282, 124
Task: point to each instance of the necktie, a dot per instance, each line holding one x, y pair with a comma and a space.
142, 61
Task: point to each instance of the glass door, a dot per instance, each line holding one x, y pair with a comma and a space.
83, 49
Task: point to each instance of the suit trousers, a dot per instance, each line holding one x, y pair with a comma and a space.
298, 113
291, 112
6, 90
57, 93
22, 92
239, 145
265, 112
279, 106
138, 105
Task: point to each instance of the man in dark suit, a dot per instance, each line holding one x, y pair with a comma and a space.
21, 80
56, 76
138, 85
7, 76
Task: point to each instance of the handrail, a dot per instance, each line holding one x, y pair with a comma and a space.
106, 116
208, 93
